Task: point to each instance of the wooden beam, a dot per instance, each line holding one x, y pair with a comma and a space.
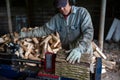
9, 16
112, 29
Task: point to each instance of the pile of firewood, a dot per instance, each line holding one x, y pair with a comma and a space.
33, 48
105, 63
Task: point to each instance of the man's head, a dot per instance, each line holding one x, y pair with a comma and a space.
63, 6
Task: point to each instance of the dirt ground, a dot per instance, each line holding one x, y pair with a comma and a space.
112, 51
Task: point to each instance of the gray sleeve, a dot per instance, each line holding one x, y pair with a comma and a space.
39, 32
84, 41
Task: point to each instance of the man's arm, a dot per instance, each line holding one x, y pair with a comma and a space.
39, 32
87, 32
82, 44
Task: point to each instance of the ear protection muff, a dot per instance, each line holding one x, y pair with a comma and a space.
72, 2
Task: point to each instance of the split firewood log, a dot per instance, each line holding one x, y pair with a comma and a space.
96, 54
46, 40
35, 40
56, 49
28, 39
2, 40
6, 38
44, 50
32, 57
49, 49
96, 48
29, 50
109, 64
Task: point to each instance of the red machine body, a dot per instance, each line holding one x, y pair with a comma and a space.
49, 64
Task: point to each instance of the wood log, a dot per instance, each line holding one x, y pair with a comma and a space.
29, 29
35, 40
44, 50
26, 43
28, 39
58, 41
56, 49
108, 64
32, 57
7, 38
17, 53
50, 41
2, 40
92, 67
57, 34
59, 45
16, 34
24, 47
31, 64
93, 59
21, 52
96, 48
49, 49
46, 40
37, 48
54, 37
4, 36
52, 45
103, 70
96, 54
29, 50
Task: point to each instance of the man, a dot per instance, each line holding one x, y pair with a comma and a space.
74, 26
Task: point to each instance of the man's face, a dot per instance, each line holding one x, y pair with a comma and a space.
65, 10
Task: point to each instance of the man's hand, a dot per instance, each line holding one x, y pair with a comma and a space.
74, 56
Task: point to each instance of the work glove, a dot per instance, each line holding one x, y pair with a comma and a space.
74, 56
75, 53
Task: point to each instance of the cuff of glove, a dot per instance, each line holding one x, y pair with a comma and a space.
71, 46
80, 49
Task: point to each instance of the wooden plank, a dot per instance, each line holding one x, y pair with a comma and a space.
108, 64
96, 48
112, 29
116, 35
9, 16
